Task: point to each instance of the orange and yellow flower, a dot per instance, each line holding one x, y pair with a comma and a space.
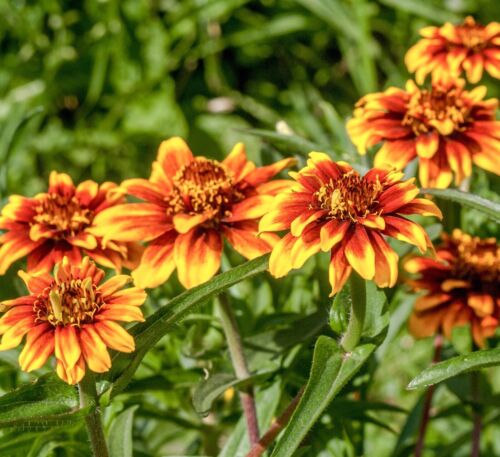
332, 208
57, 223
191, 204
73, 316
452, 49
447, 127
460, 287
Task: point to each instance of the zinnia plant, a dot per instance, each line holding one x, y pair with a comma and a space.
58, 223
450, 50
72, 315
446, 127
460, 287
279, 321
332, 208
191, 205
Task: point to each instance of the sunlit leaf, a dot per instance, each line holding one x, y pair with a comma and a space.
454, 366
331, 370
488, 207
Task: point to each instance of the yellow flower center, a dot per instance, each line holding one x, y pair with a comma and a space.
63, 215
477, 260
72, 302
349, 197
203, 186
437, 109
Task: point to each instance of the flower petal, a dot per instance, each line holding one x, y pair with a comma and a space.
360, 253
157, 262
197, 256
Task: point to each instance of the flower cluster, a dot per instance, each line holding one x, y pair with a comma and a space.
447, 127
191, 204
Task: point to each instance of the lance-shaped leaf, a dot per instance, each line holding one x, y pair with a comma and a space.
454, 366
120, 435
48, 401
331, 370
487, 207
148, 333
293, 142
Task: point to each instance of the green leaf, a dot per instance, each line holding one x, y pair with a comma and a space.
454, 366
48, 401
294, 142
423, 9
120, 434
156, 326
331, 370
209, 390
491, 209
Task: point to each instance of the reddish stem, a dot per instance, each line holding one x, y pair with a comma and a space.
419, 447
258, 449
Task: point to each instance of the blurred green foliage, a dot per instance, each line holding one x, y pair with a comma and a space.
91, 88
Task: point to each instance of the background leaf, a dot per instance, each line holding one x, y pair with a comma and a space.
331, 369
454, 366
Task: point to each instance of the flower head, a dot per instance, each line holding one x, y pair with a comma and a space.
73, 316
334, 209
451, 49
447, 127
191, 204
57, 223
460, 287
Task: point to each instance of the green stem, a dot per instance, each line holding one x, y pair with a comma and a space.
233, 338
476, 414
88, 399
352, 335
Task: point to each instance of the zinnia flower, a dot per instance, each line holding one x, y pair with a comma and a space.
56, 223
451, 49
333, 209
191, 204
446, 127
460, 287
72, 316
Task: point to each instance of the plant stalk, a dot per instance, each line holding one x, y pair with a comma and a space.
233, 338
88, 399
352, 335
279, 424
477, 420
426, 414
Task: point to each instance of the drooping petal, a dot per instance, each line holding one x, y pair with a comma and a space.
360, 253
339, 270
67, 346
157, 262
244, 238
115, 336
94, 350
197, 256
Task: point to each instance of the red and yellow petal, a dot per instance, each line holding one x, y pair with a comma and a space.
38, 348
94, 350
339, 270
245, 239
131, 222
360, 253
157, 262
115, 336
197, 256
